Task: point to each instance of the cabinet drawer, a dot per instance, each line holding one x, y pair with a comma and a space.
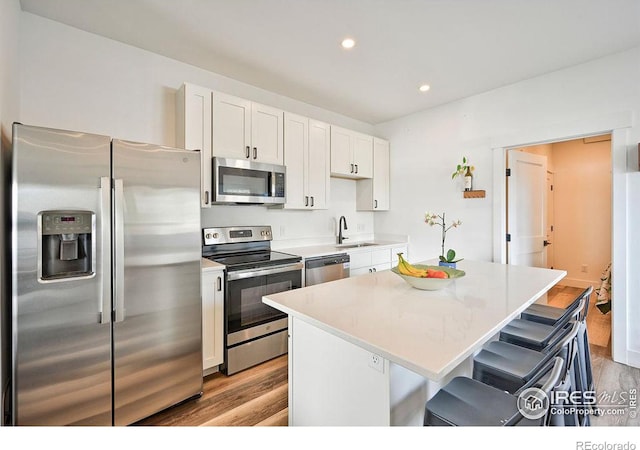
360, 259
380, 256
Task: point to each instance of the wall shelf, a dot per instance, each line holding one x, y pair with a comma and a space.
474, 194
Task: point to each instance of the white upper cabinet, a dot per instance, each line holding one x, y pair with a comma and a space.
246, 130
351, 154
373, 194
306, 152
193, 130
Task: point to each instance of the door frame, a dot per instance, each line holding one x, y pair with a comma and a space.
617, 124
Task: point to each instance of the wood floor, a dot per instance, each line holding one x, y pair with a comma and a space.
255, 397
258, 396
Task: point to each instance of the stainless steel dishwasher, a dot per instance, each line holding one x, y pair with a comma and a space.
326, 268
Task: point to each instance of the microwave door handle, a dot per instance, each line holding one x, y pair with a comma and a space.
119, 250
105, 250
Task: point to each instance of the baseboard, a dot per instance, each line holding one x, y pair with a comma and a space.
633, 358
575, 282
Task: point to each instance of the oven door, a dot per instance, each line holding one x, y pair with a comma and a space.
245, 288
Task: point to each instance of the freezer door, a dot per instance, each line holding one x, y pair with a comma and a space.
157, 252
61, 283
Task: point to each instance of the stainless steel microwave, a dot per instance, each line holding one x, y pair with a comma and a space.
241, 181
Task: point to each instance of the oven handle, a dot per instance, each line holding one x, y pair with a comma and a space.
240, 274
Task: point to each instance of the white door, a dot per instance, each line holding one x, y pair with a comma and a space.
231, 126
380, 174
267, 134
527, 209
295, 148
363, 156
318, 164
341, 152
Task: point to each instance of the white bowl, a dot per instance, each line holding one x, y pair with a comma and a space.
430, 284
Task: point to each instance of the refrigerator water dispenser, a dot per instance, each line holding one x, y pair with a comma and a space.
66, 245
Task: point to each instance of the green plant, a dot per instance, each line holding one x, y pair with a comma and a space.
437, 219
461, 169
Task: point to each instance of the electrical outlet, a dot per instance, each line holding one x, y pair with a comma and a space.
584, 268
376, 362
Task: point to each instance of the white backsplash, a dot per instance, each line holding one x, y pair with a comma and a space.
294, 228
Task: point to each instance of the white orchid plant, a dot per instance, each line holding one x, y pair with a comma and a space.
439, 219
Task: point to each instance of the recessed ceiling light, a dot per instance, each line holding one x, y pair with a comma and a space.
348, 43
424, 88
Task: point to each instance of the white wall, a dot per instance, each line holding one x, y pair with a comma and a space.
9, 110
76, 80
427, 145
582, 225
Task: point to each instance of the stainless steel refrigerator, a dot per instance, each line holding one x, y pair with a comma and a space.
106, 310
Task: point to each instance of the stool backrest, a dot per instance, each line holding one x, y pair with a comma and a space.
586, 294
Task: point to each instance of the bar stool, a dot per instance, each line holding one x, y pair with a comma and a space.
468, 402
550, 315
508, 366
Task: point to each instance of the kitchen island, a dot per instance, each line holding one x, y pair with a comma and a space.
370, 350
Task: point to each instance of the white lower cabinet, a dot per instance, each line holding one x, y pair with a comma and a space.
374, 260
212, 320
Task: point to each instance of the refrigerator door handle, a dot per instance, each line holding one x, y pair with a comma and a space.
105, 249
118, 212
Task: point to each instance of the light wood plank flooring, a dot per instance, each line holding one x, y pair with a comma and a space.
254, 397
258, 396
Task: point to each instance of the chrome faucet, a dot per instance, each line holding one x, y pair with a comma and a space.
340, 237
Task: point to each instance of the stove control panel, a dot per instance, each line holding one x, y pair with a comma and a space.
230, 235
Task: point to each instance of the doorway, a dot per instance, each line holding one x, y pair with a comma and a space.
572, 219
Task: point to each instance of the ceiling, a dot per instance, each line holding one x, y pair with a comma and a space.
292, 47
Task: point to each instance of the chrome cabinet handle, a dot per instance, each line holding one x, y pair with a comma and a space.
306, 200
312, 200
356, 168
118, 203
248, 154
206, 197
105, 249
375, 203
374, 269
255, 152
219, 281
351, 168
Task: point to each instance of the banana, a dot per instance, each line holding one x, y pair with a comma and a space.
407, 269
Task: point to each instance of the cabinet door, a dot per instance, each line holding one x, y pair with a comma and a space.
342, 152
318, 161
296, 146
267, 134
394, 254
359, 271
380, 175
231, 126
363, 155
193, 131
212, 319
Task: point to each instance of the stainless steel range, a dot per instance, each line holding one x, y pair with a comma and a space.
254, 332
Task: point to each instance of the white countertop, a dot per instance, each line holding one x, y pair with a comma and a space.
332, 249
428, 332
207, 265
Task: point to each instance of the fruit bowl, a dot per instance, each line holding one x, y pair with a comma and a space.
430, 284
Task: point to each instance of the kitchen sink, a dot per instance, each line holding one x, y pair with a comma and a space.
361, 244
